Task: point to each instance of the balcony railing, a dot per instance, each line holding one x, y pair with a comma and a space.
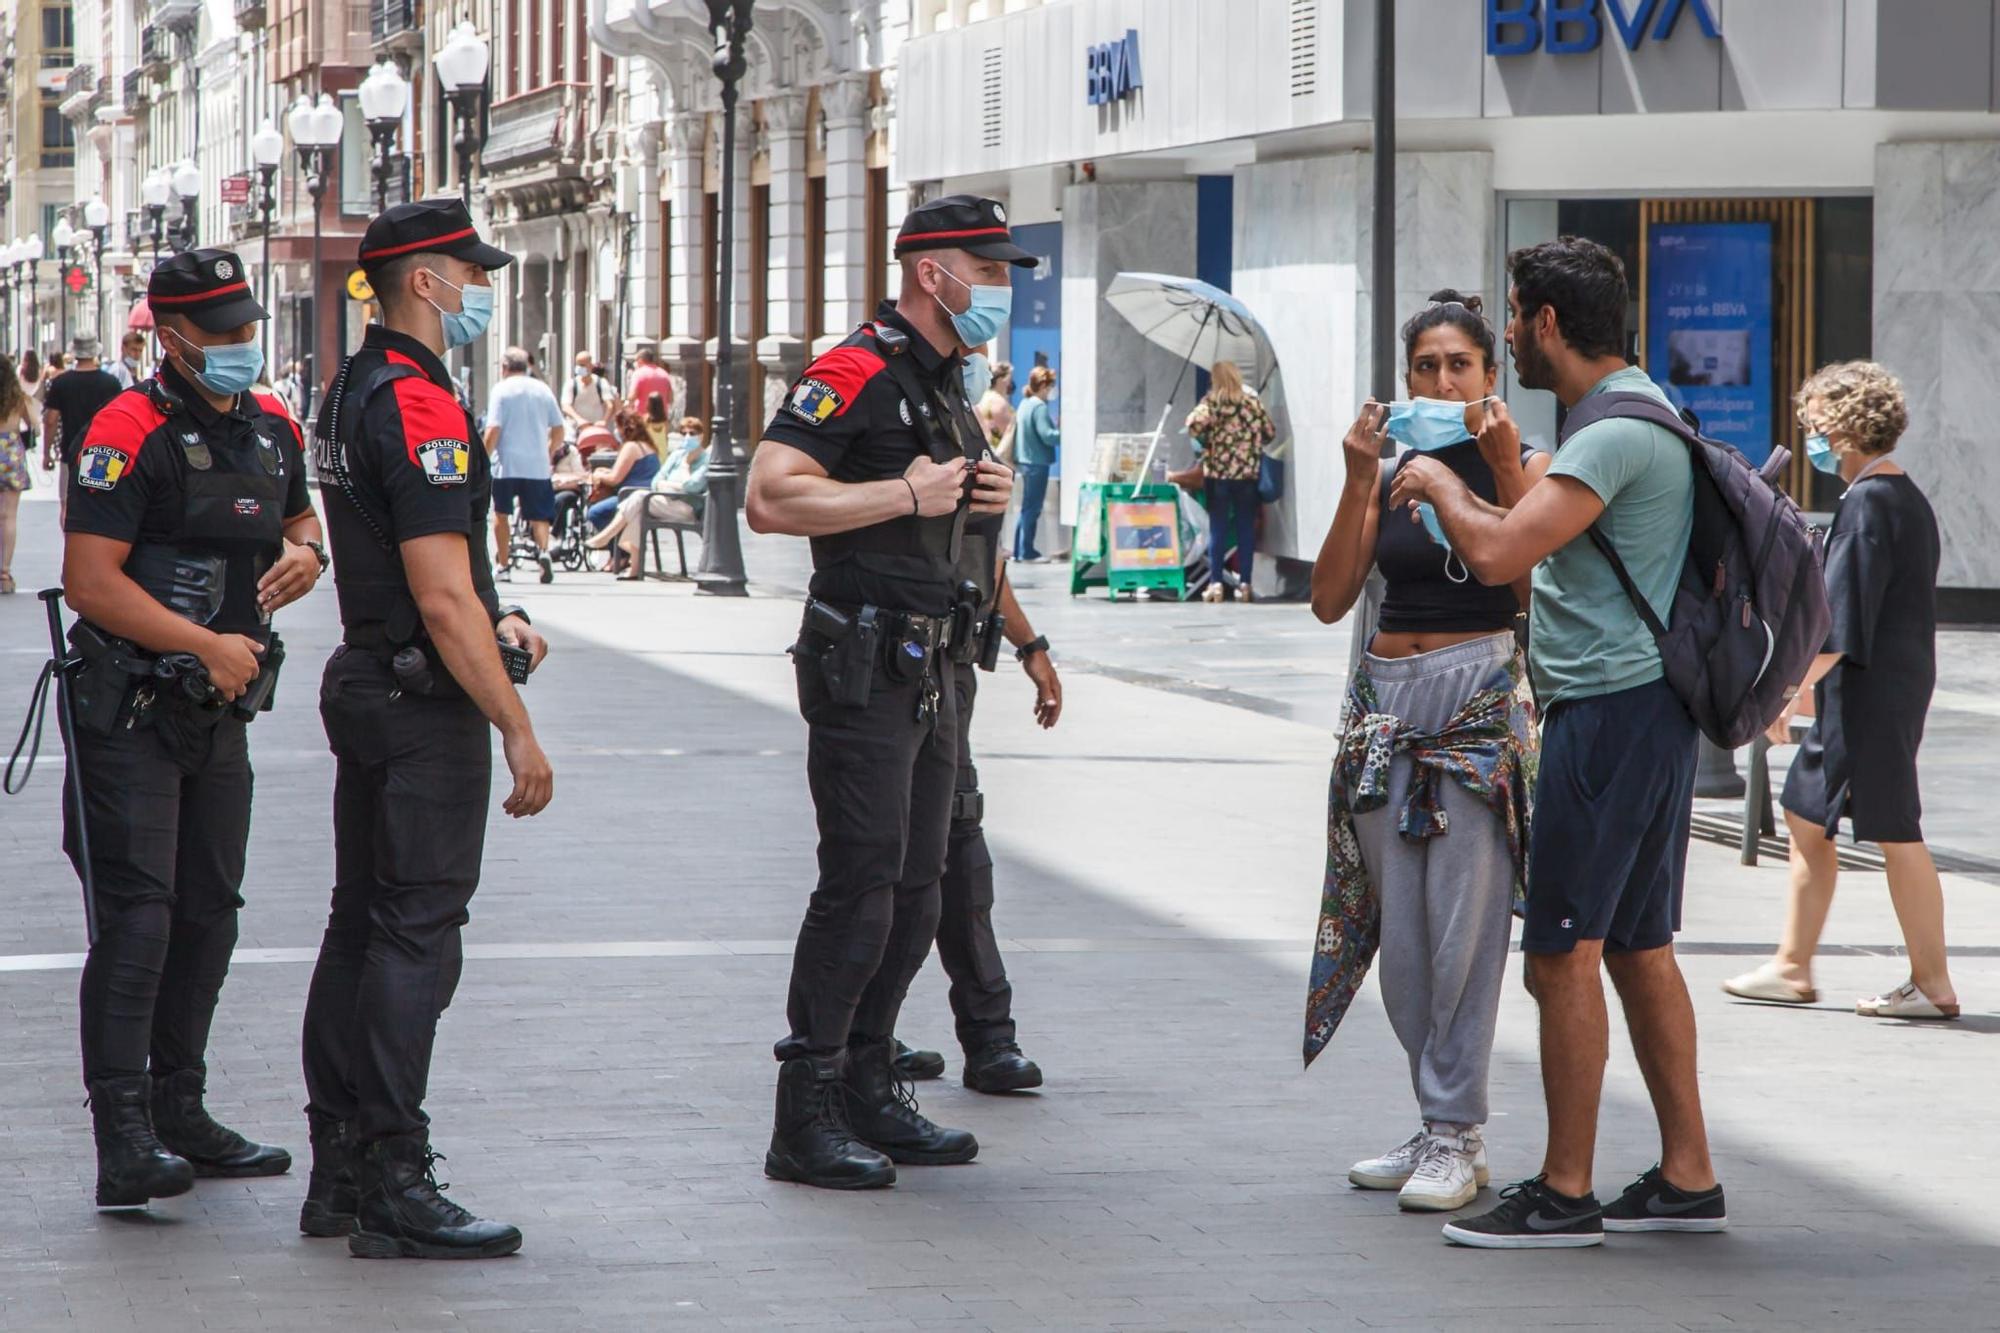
156, 49
174, 13
249, 14
80, 79
393, 23
137, 88
535, 127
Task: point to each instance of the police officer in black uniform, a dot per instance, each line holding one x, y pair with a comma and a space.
428, 660
189, 523
875, 455
982, 999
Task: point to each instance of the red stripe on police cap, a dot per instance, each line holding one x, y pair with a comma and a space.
950, 235
425, 243
199, 296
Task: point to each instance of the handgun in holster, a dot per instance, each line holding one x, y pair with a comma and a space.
103, 672
847, 663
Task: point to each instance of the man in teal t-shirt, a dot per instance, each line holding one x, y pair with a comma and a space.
1608, 838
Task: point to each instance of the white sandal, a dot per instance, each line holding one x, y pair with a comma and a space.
1905, 1001
1764, 982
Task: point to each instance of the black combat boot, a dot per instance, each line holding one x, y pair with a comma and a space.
883, 1112
330, 1190
810, 1139
918, 1064
401, 1212
132, 1165
186, 1128
1000, 1067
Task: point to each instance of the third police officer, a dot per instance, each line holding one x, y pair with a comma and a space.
875, 454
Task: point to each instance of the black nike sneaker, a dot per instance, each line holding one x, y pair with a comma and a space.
1653, 1203
1531, 1216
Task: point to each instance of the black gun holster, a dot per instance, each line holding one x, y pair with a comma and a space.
852, 646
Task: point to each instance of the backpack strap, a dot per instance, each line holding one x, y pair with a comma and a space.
1636, 407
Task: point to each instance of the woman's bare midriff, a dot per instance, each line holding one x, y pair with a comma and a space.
1389, 643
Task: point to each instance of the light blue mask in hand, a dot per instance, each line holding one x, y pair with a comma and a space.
1430, 424
1429, 516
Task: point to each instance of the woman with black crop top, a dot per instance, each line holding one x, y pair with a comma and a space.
1427, 818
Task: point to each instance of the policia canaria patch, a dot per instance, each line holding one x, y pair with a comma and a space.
445, 462
813, 401
100, 466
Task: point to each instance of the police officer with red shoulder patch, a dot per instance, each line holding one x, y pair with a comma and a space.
429, 659
876, 456
189, 523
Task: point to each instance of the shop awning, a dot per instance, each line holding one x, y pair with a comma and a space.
141, 316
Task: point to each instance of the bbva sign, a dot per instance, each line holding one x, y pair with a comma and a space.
1571, 27
1111, 70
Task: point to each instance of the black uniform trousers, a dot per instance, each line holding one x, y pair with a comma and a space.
412, 780
982, 1001
168, 815
881, 785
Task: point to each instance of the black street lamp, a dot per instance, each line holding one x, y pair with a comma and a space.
385, 96
97, 217
315, 135
9, 256
267, 151
65, 238
154, 191
186, 182
461, 70
722, 573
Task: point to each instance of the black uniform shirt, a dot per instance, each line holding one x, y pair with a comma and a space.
133, 481
412, 461
849, 414
76, 396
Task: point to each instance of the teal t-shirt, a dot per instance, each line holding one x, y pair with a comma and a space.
1585, 637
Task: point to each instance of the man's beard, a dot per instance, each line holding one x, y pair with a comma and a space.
1530, 366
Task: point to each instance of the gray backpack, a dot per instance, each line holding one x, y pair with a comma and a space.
1750, 611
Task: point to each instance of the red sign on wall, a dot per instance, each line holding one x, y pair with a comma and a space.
236, 189
76, 278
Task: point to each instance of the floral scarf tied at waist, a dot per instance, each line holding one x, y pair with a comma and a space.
1488, 747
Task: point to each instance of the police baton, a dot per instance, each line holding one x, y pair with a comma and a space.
63, 662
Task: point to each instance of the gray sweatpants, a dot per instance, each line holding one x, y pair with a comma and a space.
1446, 901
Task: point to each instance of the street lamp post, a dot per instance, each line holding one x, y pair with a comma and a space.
315, 135
186, 183
267, 150
65, 237
385, 96
7, 260
722, 573
461, 70
154, 192
31, 274
97, 217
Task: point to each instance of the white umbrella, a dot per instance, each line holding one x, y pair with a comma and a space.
1196, 321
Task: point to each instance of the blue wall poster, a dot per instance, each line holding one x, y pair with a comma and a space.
1708, 327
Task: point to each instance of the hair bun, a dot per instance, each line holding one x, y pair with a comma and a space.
1451, 296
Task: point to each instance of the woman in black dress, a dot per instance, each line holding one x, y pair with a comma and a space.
1872, 686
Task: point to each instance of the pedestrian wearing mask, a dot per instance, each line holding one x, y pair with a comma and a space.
1037, 446
1231, 427
1428, 806
1608, 847
407, 700
588, 398
131, 359
189, 525
1871, 690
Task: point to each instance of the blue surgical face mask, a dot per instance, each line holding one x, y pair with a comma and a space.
1819, 452
226, 369
978, 376
1429, 515
474, 313
1429, 424
979, 323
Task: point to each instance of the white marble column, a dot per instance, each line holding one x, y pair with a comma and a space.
844, 103
683, 351
642, 276
782, 349
882, 119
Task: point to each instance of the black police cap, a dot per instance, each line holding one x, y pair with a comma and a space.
210, 287
961, 222
428, 226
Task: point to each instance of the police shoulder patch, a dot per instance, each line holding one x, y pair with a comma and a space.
99, 466
813, 401
445, 462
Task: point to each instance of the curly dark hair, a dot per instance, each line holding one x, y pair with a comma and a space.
1584, 283
1448, 307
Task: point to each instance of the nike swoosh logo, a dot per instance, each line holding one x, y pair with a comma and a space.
1659, 1207
1541, 1222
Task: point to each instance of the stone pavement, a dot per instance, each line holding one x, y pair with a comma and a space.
604, 1076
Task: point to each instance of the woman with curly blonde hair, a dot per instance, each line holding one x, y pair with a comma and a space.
1871, 688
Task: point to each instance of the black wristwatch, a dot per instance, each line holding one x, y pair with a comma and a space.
506, 611
1038, 644
320, 552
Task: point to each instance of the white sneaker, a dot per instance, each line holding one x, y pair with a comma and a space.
1449, 1171
1392, 1168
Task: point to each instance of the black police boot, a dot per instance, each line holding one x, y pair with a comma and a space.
918, 1064
883, 1112
401, 1212
1000, 1067
811, 1142
186, 1128
132, 1165
330, 1190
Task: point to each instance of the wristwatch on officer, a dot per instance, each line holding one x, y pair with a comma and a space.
506, 611
1038, 644
319, 553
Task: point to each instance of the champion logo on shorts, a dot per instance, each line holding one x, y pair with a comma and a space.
1568, 924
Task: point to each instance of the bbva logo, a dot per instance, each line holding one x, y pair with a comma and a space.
1111, 70
1570, 27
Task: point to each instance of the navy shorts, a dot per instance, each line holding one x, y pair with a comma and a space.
536, 494
1607, 848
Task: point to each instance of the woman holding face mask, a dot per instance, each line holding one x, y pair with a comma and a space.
1428, 805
